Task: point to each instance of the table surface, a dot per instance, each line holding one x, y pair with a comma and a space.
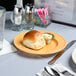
19, 64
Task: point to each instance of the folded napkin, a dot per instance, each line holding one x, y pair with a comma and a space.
55, 70
7, 48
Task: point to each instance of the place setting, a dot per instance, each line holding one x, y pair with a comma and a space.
29, 40
34, 45
56, 45
41, 43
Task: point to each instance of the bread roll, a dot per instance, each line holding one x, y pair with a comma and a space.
34, 40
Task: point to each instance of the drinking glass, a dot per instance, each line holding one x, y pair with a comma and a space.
2, 24
16, 18
28, 17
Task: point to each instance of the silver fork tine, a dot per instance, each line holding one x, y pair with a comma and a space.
55, 72
48, 70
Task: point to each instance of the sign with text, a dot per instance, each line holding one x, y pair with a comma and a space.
63, 10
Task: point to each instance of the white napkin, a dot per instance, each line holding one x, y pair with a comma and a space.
57, 67
7, 48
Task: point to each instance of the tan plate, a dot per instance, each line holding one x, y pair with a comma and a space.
56, 45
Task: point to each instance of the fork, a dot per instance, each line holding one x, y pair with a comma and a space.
52, 72
57, 73
63, 70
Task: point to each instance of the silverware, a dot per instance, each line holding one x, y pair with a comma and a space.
61, 69
47, 70
66, 73
51, 71
60, 53
56, 57
55, 72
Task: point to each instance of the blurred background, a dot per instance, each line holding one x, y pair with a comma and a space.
9, 4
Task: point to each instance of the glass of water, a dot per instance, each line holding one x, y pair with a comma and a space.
2, 24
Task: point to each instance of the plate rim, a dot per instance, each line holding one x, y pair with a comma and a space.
73, 56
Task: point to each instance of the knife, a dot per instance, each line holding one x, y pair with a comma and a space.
60, 53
